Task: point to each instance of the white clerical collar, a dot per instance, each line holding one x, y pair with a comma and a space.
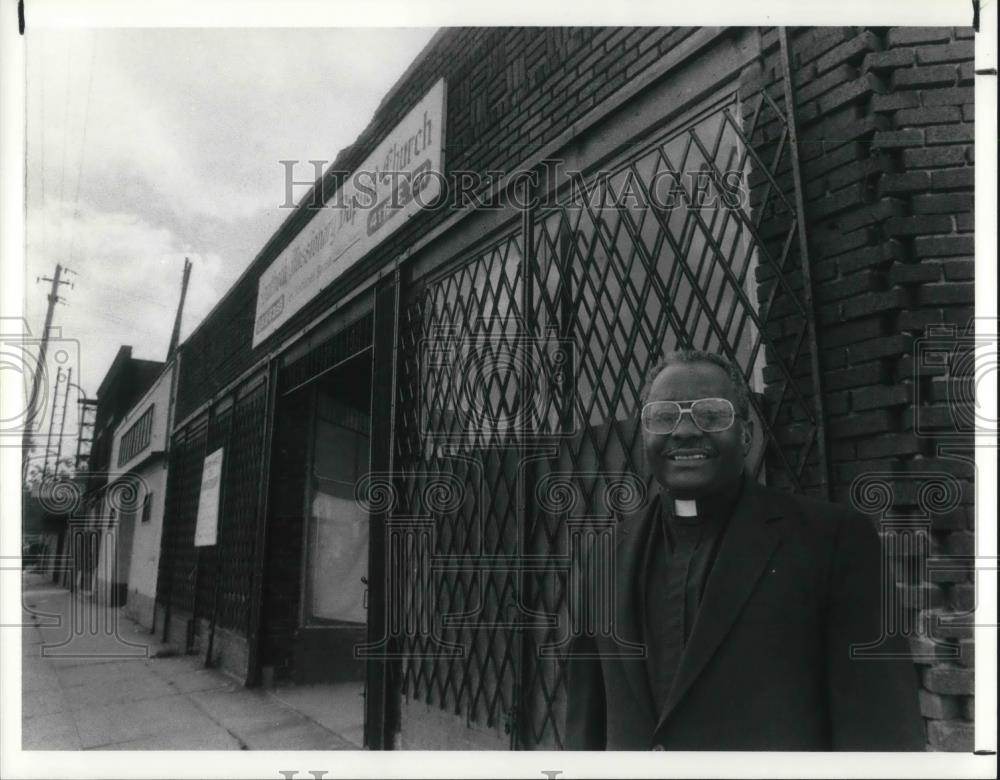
684, 508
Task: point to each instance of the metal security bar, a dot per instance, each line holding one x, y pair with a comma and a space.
214, 583
457, 407
518, 389
209, 559
178, 559
627, 273
236, 534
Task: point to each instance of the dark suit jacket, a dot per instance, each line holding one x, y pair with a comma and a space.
795, 583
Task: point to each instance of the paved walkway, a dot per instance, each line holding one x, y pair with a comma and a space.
121, 690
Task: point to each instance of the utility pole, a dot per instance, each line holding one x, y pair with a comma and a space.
175, 336
62, 424
36, 379
52, 424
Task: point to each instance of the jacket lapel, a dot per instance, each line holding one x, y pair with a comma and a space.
630, 595
749, 541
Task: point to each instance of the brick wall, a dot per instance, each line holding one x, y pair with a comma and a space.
510, 91
885, 121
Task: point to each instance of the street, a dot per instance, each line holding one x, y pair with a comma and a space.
94, 690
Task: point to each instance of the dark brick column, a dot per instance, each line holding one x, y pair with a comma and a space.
885, 118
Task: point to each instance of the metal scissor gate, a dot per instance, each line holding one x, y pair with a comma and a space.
517, 396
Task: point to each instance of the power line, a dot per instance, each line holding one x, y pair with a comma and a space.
41, 122
62, 164
54, 298
83, 146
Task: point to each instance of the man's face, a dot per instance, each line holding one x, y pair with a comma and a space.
719, 455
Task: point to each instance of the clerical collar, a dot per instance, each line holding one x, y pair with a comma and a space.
713, 507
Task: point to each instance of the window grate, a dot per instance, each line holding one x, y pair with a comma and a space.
518, 392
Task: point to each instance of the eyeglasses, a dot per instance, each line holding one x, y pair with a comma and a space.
711, 415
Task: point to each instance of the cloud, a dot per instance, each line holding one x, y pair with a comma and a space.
194, 122
126, 275
147, 145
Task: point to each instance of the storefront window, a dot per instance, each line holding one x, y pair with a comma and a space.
337, 544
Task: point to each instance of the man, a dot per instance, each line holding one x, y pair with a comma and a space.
746, 600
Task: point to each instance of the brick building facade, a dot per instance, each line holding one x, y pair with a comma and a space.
886, 120
854, 239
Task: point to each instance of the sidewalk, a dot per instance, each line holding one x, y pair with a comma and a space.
116, 697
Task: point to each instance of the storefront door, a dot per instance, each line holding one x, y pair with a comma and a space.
333, 610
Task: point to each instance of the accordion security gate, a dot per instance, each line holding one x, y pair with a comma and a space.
202, 583
517, 397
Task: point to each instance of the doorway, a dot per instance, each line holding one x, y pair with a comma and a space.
333, 611
325, 449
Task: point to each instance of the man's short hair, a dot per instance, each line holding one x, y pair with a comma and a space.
740, 394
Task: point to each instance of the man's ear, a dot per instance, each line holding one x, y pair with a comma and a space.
747, 435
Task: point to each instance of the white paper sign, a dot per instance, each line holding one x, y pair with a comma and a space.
400, 177
206, 529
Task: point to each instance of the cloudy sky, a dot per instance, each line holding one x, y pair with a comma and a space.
149, 145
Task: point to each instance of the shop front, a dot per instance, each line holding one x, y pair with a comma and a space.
315, 606
427, 415
398, 515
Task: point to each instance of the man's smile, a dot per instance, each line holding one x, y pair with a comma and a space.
689, 454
